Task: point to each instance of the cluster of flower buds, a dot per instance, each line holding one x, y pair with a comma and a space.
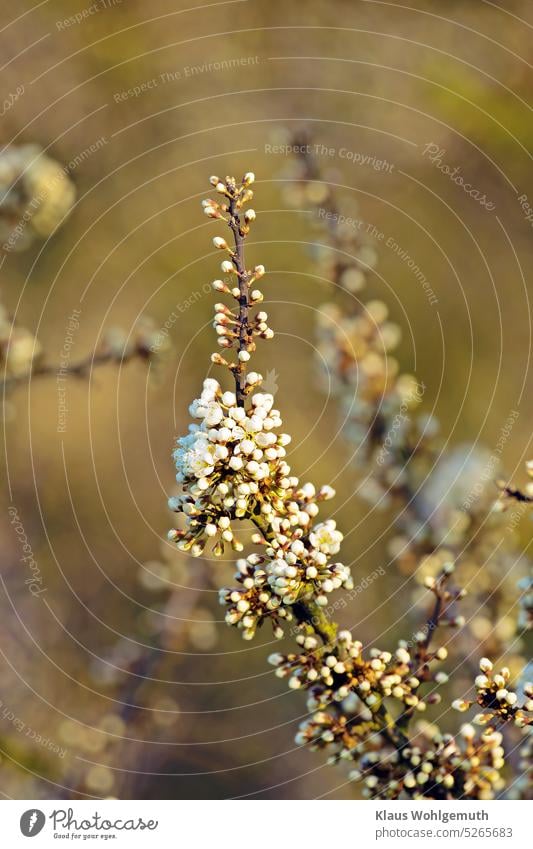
376, 401
347, 732
19, 349
334, 673
230, 466
300, 559
500, 704
253, 600
36, 194
441, 767
447, 767
226, 324
295, 566
341, 671
230, 190
436, 766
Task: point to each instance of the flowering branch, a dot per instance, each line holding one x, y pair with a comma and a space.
230, 467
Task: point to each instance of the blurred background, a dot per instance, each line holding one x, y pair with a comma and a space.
118, 677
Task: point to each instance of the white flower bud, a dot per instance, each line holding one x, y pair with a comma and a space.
468, 731
229, 399
403, 655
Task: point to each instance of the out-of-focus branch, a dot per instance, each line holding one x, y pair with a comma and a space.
21, 354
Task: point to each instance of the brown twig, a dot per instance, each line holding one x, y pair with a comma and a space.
517, 494
244, 301
80, 369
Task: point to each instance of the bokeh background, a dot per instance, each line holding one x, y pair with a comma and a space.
87, 707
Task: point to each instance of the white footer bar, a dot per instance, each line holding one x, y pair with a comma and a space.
254, 824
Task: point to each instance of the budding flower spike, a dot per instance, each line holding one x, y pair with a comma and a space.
232, 465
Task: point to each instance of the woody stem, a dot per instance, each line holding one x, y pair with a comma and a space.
244, 302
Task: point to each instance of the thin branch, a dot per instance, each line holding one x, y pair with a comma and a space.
516, 494
80, 369
244, 301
